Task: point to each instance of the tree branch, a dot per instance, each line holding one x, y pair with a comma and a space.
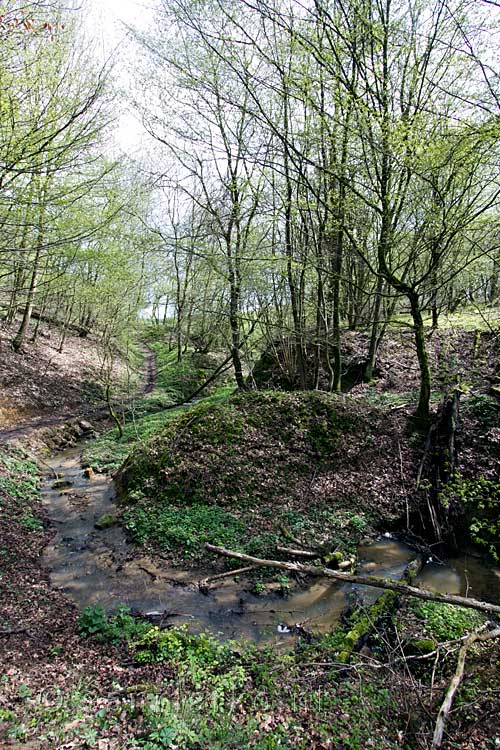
380, 583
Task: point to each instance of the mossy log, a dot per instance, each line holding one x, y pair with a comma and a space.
365, 619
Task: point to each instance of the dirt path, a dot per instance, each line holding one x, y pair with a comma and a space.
29, 427
150, 371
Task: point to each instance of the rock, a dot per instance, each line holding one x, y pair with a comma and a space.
88, 472
345, 565
333, 559
85, 426
105, 521
61, 484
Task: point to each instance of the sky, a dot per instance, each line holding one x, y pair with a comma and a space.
110, 15
106, 25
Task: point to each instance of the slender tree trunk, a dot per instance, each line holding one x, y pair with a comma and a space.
374, 336
292, 286
423, 408
67, 321
335, 383
234, 305
20, 336
28, 309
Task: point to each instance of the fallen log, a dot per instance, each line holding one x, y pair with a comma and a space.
477, 635
379, 583
363, 620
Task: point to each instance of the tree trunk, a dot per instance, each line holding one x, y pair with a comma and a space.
423, 408
23, 328
374, 338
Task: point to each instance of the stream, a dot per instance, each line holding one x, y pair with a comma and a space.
101, 567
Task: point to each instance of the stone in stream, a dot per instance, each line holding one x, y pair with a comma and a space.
105, 521
61, 484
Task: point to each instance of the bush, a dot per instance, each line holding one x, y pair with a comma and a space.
95, 622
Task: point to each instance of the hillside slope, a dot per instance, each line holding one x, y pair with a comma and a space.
240, 471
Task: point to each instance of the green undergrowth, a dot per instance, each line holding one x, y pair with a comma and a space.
248, 471
19, 476
477, 318
233, 695
485, 409
429, 636
182, 531
180, 379
115, 628
147, 416
19, 494
189, 528
478, 502
168, 688
441, 621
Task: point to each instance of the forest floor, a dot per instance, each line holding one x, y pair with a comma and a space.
42, 382
113, 683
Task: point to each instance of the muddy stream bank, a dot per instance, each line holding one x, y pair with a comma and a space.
95, 566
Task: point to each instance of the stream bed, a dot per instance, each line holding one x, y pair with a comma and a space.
101, 567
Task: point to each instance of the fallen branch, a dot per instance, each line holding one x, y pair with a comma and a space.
379, 583
227, 574
289, 537
477, 635
298, 552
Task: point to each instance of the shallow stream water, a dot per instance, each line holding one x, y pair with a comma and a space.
100, 567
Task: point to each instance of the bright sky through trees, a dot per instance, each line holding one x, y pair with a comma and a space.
108, 20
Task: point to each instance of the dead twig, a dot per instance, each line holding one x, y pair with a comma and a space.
297, 552
227, 574
477, 635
